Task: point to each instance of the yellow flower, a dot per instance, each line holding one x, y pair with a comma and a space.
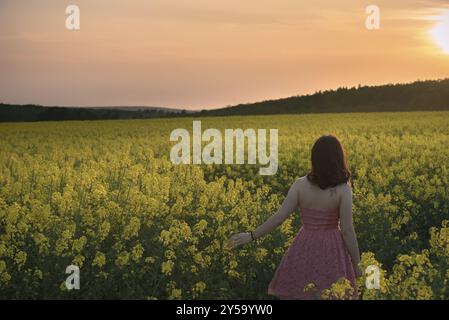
132, 228
122, 259
261, 253
200, 226
137, 253
167, 267
99, 260
20, 258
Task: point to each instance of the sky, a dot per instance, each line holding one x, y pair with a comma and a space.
203, 54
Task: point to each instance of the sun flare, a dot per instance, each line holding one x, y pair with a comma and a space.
440, 33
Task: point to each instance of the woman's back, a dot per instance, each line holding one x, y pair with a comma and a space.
318, 254
325, 248
313, 197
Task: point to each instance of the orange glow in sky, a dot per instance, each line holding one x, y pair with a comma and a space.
199, 54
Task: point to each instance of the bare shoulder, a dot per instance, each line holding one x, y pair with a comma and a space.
301, 181
344, 189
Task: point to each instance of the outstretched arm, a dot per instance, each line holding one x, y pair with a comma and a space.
289, 204
347, 228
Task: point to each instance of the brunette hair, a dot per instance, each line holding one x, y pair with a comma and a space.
329, 168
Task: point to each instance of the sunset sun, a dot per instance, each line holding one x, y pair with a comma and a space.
440, 33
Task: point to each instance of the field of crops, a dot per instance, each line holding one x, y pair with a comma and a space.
105, 196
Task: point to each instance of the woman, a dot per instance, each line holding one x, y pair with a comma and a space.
325, 248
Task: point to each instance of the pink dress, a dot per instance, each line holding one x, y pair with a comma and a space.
318, 255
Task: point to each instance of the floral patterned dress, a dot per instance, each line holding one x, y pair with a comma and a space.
317, 256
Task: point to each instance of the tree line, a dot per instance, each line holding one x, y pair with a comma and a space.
417, 96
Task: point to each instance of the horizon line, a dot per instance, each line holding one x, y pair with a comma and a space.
229, 106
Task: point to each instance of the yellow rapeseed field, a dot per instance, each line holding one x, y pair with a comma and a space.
104, 195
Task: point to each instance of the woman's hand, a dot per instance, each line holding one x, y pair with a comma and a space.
239, 239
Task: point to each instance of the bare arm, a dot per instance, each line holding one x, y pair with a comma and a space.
347, 227
289, 205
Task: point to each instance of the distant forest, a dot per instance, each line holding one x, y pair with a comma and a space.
416, 96
16, 113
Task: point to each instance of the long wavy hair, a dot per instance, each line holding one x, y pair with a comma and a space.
329, 168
